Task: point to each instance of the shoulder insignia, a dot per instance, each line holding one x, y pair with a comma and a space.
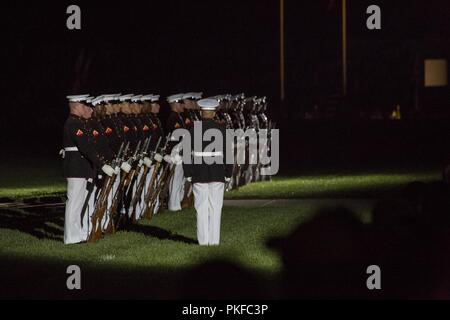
126, 129
155, 126
79, 133
108, 131
145, 128
95, 133
177, 125
188, 121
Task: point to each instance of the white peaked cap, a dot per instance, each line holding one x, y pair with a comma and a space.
208, 104
98, 100
89, 99
126, 97
147, 97
189, 95
198, 95
111, 96
136, 98
175, 97
218, 97
78, 98
155, 97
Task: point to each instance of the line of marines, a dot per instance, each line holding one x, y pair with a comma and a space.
118, 158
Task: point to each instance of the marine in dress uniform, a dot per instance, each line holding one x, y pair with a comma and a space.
176, 121
157, 134
142, 132
81, 162
208, 177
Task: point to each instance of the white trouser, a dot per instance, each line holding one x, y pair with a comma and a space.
107, 215
176, 188
208, 201
157, 182
140, 202
133, 189
76, 196
141, 205
148, 188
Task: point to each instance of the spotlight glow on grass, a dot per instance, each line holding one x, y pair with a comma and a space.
330, 186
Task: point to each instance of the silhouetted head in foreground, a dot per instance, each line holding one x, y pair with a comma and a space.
325, 258
219, 280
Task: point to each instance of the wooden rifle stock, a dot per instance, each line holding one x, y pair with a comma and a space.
149, 197
99, 210
115, 205
164, 185
137, 194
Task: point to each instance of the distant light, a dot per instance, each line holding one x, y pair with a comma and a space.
436, 73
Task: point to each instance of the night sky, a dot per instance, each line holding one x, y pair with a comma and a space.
167, 47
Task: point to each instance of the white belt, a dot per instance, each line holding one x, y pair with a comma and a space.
208, 154
71, 149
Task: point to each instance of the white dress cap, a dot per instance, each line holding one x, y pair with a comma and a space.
136, 98
155, 98
208, 104
78, 98
98, 100
147, 97
175, 97
125, 97
189, 95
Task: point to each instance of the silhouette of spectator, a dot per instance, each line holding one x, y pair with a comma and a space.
325, 258
410, 241
219, 280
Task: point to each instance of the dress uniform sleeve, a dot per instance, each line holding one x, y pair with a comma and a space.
80, 136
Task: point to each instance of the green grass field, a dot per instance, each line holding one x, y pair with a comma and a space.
153, 259
24, 179
166, 244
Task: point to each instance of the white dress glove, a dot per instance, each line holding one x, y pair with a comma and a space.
189, 179
125, 167
147, 162
117, 170
177, 159
158, 157
227, 179
108, 170
168, 159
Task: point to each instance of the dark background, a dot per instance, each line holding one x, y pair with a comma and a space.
167, 47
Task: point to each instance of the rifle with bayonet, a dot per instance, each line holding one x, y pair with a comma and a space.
141, 184
112, 210
129, 191
154, 188
102, 202
115, 215
131, 174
